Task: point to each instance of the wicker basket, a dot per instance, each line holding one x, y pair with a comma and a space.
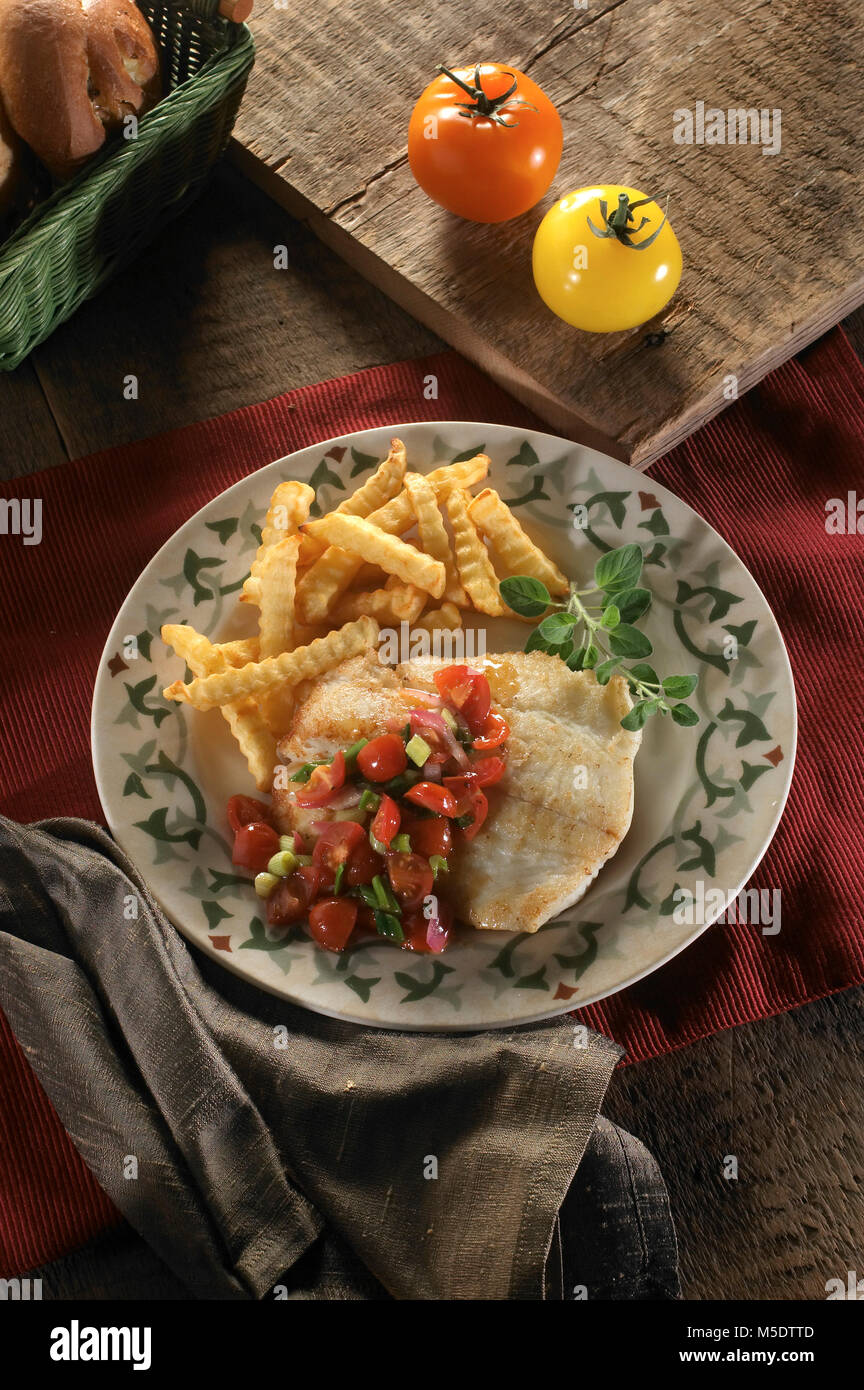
92, 226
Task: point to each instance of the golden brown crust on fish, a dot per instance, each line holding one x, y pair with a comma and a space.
562, 808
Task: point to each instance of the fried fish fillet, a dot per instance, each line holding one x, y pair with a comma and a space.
563, 806
566, 799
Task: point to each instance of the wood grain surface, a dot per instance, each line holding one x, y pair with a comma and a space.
771, 249
784, 1097
207, 324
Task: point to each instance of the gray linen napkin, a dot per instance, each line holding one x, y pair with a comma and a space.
234, 1158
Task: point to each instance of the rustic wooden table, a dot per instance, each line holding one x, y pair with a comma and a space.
207, 325
768, 228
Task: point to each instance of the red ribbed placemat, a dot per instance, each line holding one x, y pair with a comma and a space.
761, 474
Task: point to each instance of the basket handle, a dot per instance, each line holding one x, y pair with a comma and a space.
236, 10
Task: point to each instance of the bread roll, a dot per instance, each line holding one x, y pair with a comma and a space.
10, 166
70, 70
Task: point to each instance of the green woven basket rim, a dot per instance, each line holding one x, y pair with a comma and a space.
207, 87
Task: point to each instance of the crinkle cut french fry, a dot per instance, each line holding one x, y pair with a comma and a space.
320, 587
433, 536
472, 558
289, 507
239, 652
447, 616
363, 538
203, 658
400, 604
331, 574
254, 738
192, 647
304, 663
463, 474
515, 552
278, 576
384, 484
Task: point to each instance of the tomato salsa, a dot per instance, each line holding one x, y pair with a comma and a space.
393, 808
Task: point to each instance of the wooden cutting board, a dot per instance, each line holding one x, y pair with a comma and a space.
771, 243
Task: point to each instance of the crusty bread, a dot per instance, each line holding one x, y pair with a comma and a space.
70, 70
10, 166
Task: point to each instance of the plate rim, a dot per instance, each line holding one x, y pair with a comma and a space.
343, 1016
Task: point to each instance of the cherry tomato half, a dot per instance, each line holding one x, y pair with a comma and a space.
468, 691
382, 758
488, 771
331, 922
254, 846
387, 820
324, 780
363, 865
433, 797
336, 843
242, 810
601, 284
479, 810
416, 926
496, 731
487, 146
290, 900
410, 878
428, 837
470, 801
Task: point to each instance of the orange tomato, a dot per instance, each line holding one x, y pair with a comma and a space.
484, 142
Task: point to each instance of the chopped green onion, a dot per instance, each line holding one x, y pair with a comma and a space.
303, 858
265, 883
305, 772
286, 842
418, 750
337, 878
397, 785
349, 813
464, 821
388, 925
449, 719
385, 896
402, 844
378, 845
438, 864
351, 753
369, 801
283, 863
367, 894
406, 732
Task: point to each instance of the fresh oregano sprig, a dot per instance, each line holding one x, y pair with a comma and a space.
599, 636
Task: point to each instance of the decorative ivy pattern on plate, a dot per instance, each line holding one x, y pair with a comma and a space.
707, 798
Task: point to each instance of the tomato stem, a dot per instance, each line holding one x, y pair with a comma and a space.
482, 105
617, 223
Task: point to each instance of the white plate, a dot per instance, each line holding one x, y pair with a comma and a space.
708, 798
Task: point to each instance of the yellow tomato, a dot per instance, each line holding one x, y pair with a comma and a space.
599, 283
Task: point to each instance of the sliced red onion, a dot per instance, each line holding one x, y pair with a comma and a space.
299, 843
432, 771
436, 935
429, 719
342, 798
